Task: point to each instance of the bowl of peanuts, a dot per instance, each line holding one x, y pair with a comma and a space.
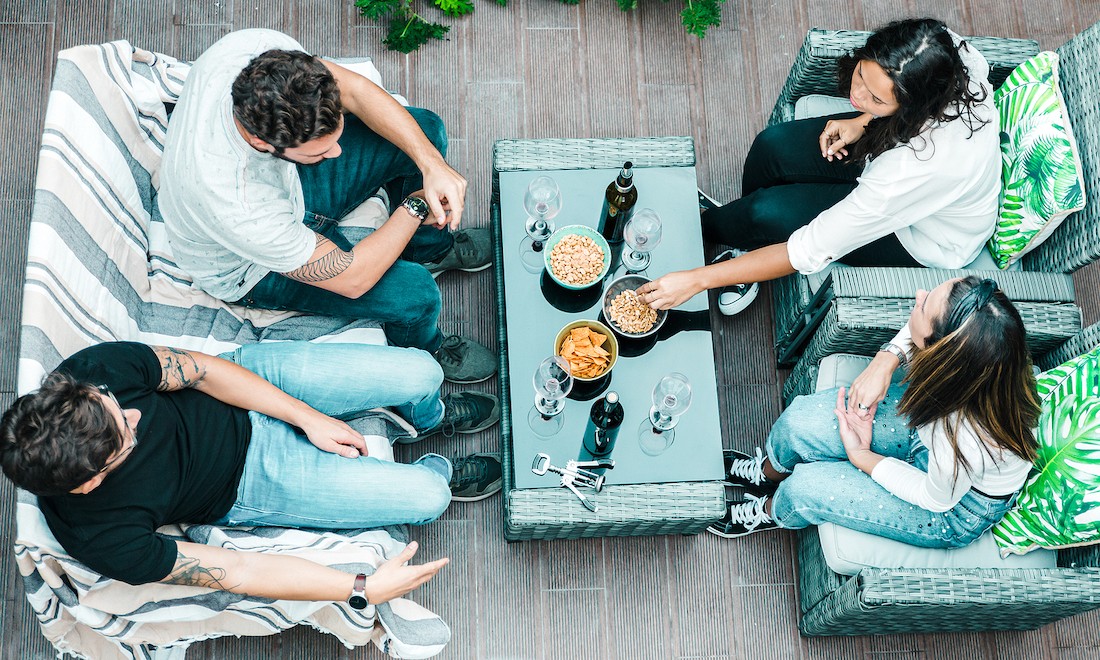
626, 313
577, 257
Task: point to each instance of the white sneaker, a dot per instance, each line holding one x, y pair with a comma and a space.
733, 299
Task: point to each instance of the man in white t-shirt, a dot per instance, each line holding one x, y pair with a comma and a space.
269, 147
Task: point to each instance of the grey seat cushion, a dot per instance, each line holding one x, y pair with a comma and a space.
847, 551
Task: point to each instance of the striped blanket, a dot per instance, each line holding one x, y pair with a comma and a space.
99, 269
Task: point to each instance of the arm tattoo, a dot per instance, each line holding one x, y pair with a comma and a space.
188, 572
178, 369
325, 267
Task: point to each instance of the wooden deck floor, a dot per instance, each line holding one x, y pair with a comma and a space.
539, 68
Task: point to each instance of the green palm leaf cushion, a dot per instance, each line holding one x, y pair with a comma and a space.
1041, 176
1059, 506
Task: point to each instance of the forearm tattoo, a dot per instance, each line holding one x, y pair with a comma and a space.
178, 369
331, 263
188, 572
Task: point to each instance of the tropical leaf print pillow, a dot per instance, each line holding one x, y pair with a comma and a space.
1059, 506
1041, 177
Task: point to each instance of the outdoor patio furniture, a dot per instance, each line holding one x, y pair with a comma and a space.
853, 311
533, 510
884, 601
99, 269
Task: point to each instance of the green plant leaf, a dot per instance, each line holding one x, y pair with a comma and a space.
409, 31
377, 9
700, 15
455, 7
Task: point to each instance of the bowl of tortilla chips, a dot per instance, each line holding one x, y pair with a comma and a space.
589, 347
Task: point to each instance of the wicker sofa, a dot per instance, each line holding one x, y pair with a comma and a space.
857, 311
891, 601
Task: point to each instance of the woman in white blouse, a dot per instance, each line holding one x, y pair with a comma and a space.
933, 462
911, 179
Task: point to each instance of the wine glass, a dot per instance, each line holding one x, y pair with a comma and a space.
552, 383
671, 398
542, 201
642, 233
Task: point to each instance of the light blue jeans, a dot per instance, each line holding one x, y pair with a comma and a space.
824, 487
287, 482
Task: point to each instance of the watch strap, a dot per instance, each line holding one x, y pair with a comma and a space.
417, 207
358, 599
896, 351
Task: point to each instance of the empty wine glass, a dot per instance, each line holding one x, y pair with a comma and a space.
671, 398
552, 383
542, 202
642, 233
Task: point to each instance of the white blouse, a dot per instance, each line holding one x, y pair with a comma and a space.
938, 193
993, 471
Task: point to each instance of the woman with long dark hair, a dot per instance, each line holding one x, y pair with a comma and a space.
911, 178
933, 462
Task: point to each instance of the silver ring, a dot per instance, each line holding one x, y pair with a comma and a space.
862, 407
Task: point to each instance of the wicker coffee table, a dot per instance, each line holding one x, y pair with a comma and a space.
676, 492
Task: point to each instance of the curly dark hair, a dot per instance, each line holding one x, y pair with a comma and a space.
55, 439
286, 98
930, 82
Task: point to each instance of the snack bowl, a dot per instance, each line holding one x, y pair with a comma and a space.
610, 345
577, 230
629, 283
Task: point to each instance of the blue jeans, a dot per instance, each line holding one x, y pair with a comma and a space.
405, 300
288, 482
824, 487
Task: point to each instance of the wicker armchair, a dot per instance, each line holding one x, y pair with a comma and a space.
853, 312
891, 601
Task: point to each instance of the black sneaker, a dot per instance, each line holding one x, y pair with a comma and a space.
472, 252
465, 361
706, 202
748, 471
466, 412
733, 299
475, 477
743, 519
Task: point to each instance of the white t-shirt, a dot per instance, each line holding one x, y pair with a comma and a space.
993, 471
232, 214
938, 193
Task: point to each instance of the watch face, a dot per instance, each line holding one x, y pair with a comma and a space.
418, 207
358, 602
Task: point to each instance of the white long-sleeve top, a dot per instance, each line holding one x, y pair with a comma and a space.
993, 471
938, 193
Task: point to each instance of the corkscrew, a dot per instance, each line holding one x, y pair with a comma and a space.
575, 474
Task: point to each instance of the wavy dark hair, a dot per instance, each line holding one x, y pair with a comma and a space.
976, 368
930, 82
287, 98
55, 439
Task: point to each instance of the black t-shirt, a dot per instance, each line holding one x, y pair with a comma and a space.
185, 468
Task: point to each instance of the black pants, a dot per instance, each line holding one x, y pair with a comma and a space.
786, 184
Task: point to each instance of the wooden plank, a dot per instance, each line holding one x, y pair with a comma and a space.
517, 609
437, 74
768, 621
669, 65
554, 109
85, 22
148, 25
15, 219
995, 18
836, 13
832, 648
318, 24
668, 109
270, 14
749, 411
205, 12
195, 39
703, 602
448, 593
578, 616
744, 342
26, 62
1080, 630
547, 14
638, 598
494, 43
610, 43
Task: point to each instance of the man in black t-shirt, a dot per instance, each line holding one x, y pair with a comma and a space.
123, 438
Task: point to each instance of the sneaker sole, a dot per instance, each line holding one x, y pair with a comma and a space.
737, 536
474, 498
739, 306
436, 275
469, 382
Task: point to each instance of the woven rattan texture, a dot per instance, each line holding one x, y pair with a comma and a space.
1077, 241
861, 325
1079, 344
592, 154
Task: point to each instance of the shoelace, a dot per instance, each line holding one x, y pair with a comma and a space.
459, 410
467, 470
452, 350
749, 469
750, 514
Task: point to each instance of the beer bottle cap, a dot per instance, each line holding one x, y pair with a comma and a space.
612, 397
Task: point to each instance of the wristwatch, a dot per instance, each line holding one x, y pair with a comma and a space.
896, 351
417, 207
358, 599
